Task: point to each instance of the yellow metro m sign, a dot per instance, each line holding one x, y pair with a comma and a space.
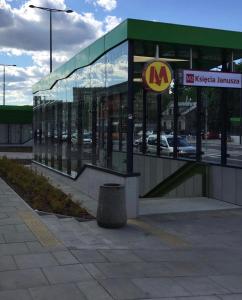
157, 76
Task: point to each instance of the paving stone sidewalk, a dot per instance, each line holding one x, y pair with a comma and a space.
196, 256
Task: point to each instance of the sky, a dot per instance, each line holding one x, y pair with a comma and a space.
24, 31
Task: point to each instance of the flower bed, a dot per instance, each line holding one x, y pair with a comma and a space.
36, 190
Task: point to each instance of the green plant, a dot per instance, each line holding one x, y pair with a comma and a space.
36, 189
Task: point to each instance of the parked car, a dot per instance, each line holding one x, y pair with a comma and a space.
138, 142
86, 138
64, 136
148, 132
167, 143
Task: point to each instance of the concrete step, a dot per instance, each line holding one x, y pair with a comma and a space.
148, 206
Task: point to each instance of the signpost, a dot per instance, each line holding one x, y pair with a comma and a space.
211, 79
157, 76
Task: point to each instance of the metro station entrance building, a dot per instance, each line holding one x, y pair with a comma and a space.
95, 111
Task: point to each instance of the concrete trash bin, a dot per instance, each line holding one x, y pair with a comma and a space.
111, 211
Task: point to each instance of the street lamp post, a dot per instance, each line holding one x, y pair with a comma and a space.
50, 10
4, 86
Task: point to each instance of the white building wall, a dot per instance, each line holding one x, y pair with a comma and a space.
154, 170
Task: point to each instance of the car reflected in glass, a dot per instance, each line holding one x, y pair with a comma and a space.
167, 146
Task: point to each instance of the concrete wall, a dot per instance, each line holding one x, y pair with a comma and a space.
15, 134
91, 179
4, 139
225, 184
153, 170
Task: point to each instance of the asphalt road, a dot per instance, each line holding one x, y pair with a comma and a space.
212, 152
211, 149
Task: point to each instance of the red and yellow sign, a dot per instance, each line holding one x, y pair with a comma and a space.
157, 76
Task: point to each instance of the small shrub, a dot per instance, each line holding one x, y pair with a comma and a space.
36, 190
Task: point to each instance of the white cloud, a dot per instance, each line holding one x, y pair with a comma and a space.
25, 31
28, 29
111, 22
107, 5
19, 83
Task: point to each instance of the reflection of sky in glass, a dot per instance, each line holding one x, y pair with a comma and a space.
110, 69
117, 65
83, 77
117, 72
98, 71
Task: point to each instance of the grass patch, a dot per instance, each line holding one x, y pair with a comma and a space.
36, 190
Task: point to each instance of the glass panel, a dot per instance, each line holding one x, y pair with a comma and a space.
83, 118
138, 120
211, 124
234, 128
116, 103
160, 109
187, 122
151, 128
64, 136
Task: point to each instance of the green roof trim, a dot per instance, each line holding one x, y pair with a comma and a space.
16, 114
146, 31
182, 34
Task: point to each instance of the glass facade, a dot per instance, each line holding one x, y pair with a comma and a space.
155, 112
82, 119
189, 118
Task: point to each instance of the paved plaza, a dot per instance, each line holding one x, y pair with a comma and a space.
194, 255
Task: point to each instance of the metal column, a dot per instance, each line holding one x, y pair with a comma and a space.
68, 149
110, 133
46, 145
158, 99
130, 106
59, 134
144, 124
198, 129
240, 121
79, 125
40, 133
224, 117
52, 135
120, 127
94, 129
176, 115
